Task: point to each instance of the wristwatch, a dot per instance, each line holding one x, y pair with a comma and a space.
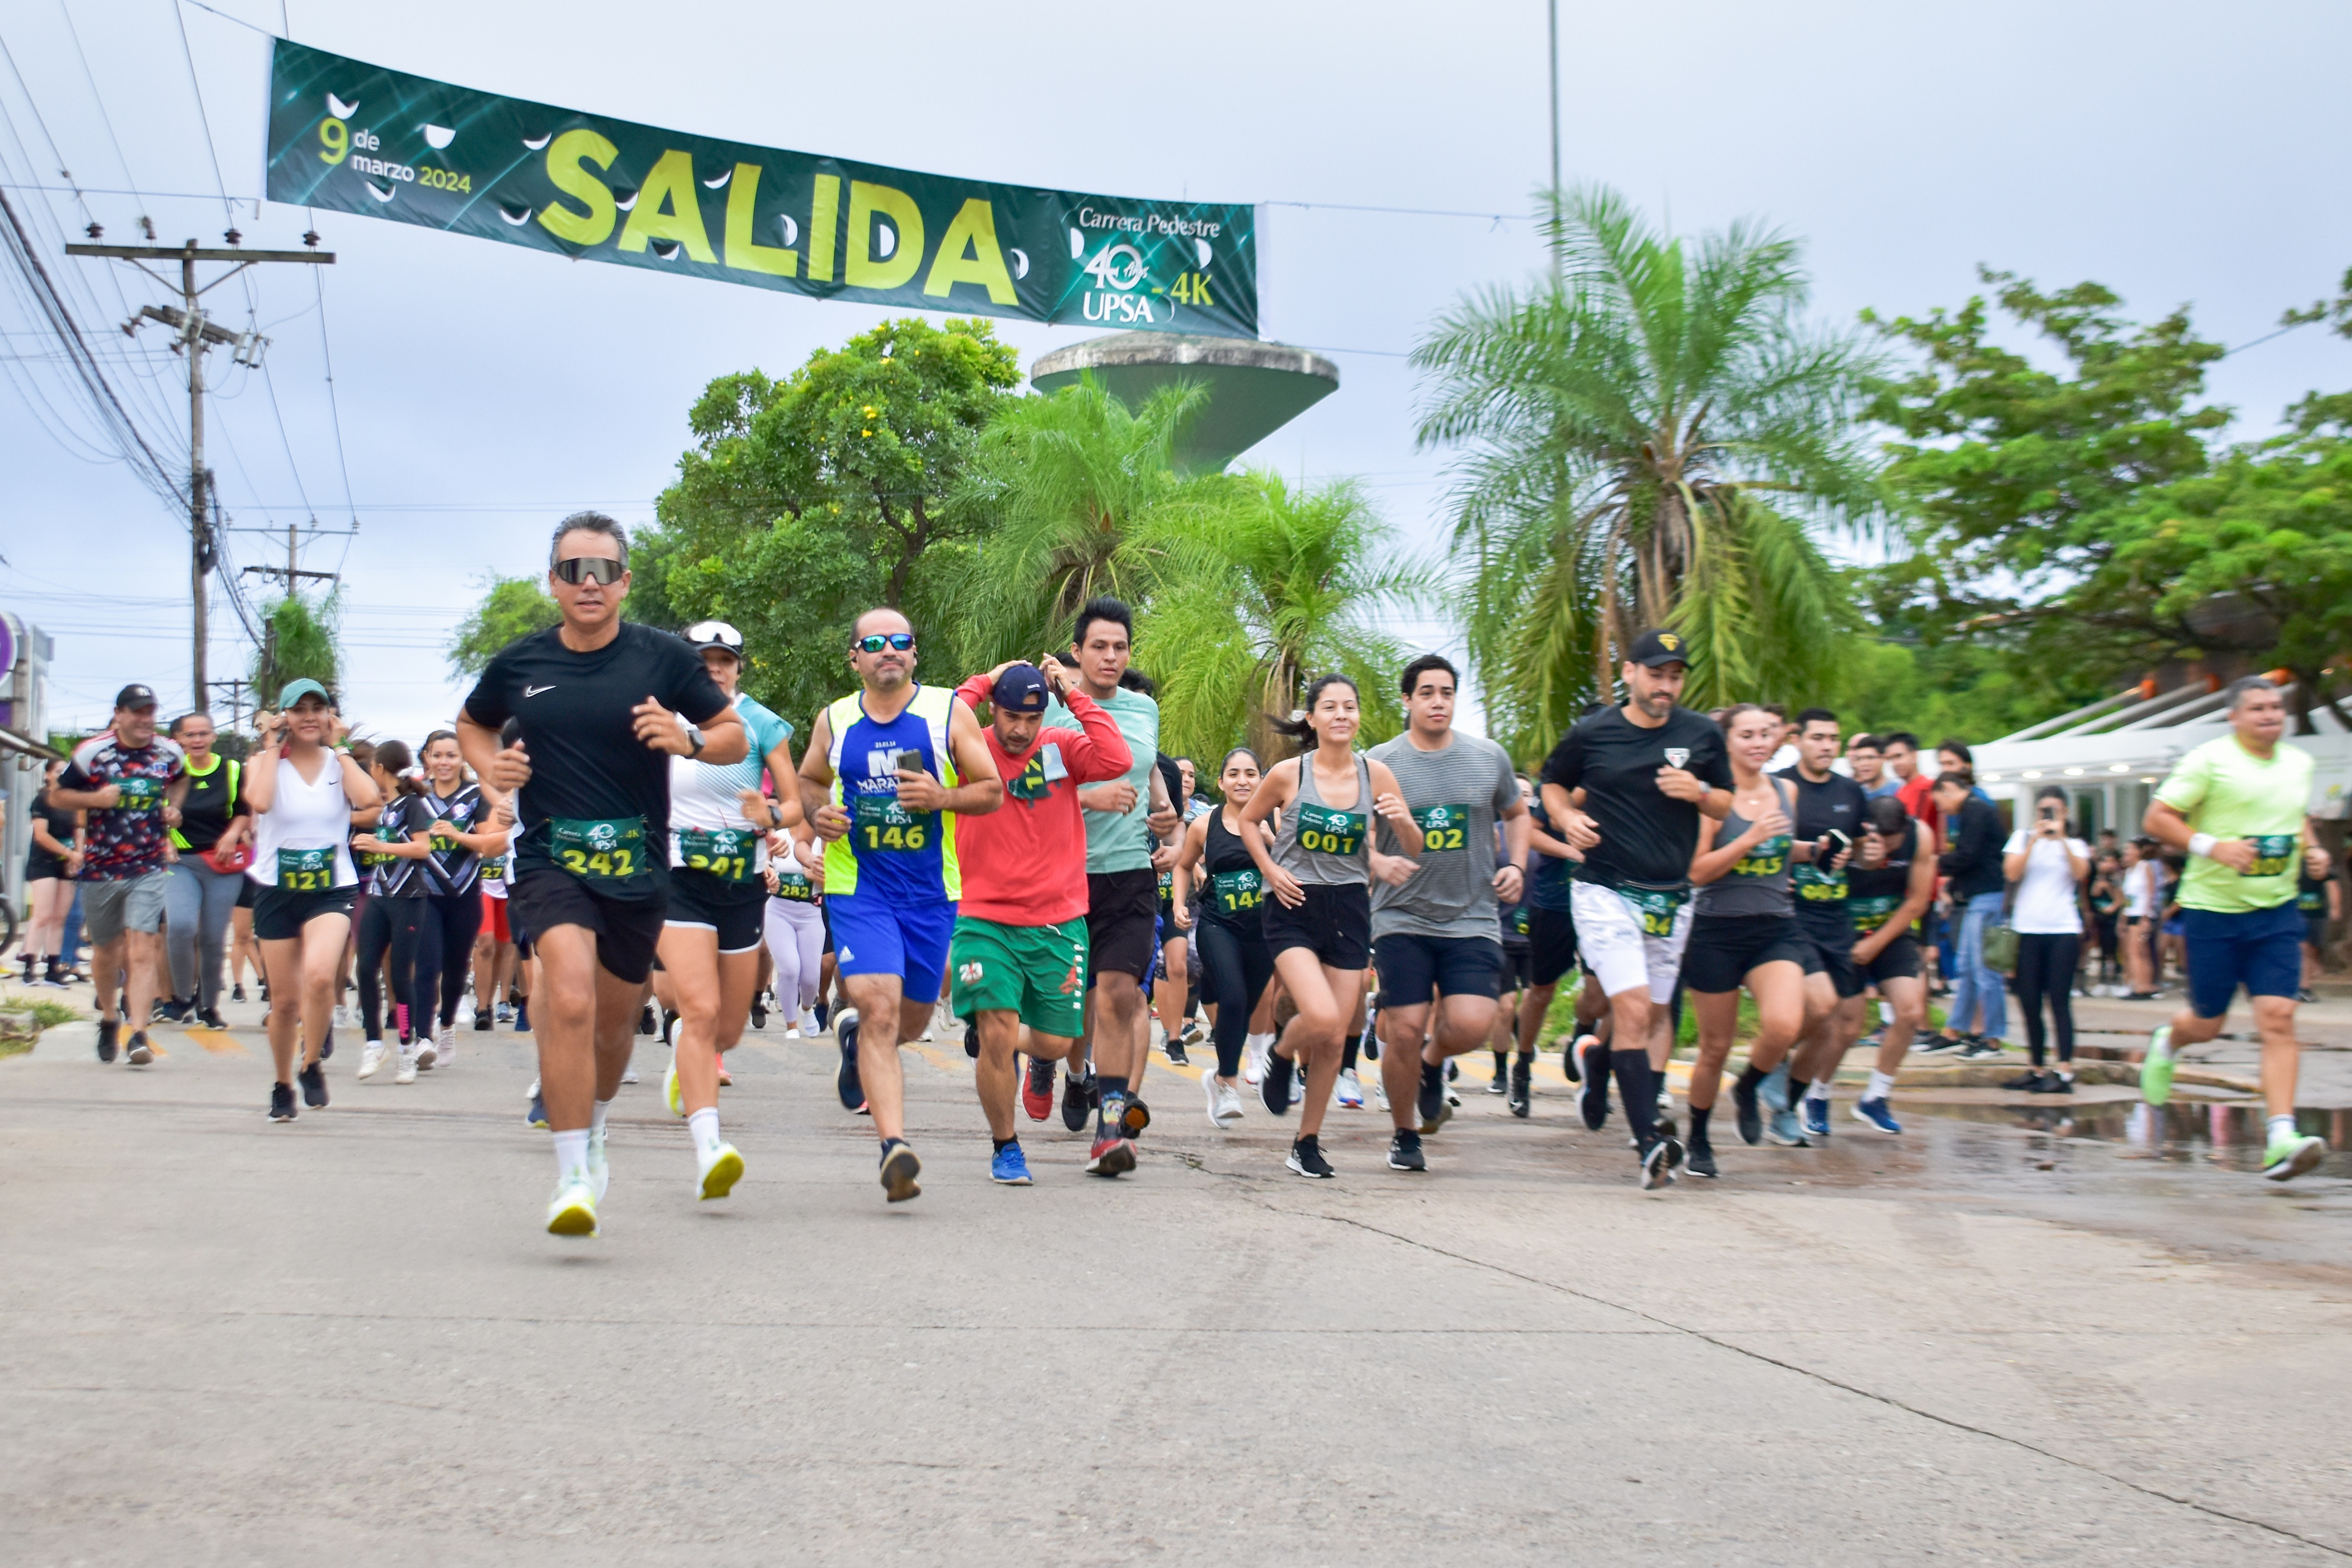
693, 737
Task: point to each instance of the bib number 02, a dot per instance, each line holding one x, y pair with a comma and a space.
1443, 828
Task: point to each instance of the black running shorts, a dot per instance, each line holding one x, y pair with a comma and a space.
1723, 949
735, 910
1551, 944
1898, 960
1334, 924
1122, 923
1413, 966
1829, 950
626, 930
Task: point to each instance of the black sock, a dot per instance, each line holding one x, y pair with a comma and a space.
1751, 1076
1107, 1088
1502, 1062
1638, 1088
1700, 1115
1347, 1053
1004, 1144
1433, 1077
1526, 1059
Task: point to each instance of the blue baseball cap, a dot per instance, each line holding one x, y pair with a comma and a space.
1020, 689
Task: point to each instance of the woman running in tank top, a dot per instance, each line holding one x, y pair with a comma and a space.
1319, 919
1235, 963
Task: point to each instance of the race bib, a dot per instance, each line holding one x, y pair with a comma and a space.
2273, 854
1328, 832
792, 885
1517, 919
306, 870
1869, 914
604, 851
1443, 828
2311, 903
1819, 887
1237, 892
495, 871
1768, 858
725, 853
137, 793
1168, 883
1035, 782
1656, 909
880, 825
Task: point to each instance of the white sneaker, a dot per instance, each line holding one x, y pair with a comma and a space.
1224, 1101
808, 1025
717, 1173
426, 1055
343, 1019
600, 1173
628, 1075
445, 1044
1351, 1091
1253, 1065
572, 1210
406, 1071
370, 1058
1380, 1094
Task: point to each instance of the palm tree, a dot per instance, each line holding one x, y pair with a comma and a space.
1085, 502
1285, 593
1623, 422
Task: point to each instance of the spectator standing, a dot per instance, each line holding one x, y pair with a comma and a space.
2049, 866
1972, 865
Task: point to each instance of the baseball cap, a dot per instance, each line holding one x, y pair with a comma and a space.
1654, 648
715, 634
296, 691
135, 697
1020, 689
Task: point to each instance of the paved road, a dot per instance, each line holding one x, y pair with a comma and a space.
346, 1340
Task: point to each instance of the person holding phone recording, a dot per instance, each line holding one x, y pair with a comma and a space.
2049, 866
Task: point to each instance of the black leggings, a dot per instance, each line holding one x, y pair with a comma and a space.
390, 926
445, 951
1234, 967
2045, 969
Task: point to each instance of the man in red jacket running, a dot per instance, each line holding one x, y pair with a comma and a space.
1019, 953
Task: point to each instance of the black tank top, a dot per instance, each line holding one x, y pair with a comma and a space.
1235, 891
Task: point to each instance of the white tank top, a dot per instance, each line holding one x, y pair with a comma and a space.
305, 816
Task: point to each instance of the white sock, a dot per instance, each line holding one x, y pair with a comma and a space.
703, 1125
1821, 1089
1881, 1084
572, 1155
596, 1117
2281, 1128
1259, 1043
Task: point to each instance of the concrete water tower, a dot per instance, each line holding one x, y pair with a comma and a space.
1254, 388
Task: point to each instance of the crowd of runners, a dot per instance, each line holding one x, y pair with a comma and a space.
615, 841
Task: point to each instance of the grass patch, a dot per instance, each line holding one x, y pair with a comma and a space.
41, 1011
1560, 1019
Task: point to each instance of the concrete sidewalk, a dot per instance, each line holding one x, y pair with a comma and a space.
346, 1339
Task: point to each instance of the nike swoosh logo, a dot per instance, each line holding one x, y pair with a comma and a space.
535, 690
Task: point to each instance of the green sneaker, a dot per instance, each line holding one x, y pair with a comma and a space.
2155, 1069
2291, 1157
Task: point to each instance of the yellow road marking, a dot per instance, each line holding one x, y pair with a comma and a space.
219, 1042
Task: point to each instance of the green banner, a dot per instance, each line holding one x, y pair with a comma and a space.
357, 138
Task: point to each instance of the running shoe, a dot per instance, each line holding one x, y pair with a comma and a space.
645, 1025
759, 1019
171, 1010
523, 1017
726, 1078
668, 1030
1037, 1089
1746, 1114
1253, 1063
536, 1116
2155, 1069
107, 1030
1134, 1117
2054, 1083
482, 1021
1658, 1163
600, 1169
672, 1096
1817, 1117
406, 1071
844, 1081
1699, 1161
971, 1036
313, 1080
327, 1046
629, 1073
1275, 1088
1501, 1082
1875, 1113
445, 1044
899, 1169
1307, 1160
809, 1026
1077, 1101
1592, 1099
1981, 1049
2288, 1158
1404, 1151
1430, 1105
504, 1012
370, 1058
281, 1103
236, 993
1774, 1089
1938, 1045
1572, 1057
1010, 1168
1224, 1101
1176, 1056
211, 1018
1112, 1156
719, 1170
1351, 1090
2306, 994
343, 1019
1787, 1130
572, 1210
140, 1053
427, 1052
1523, 1089
2025, 1082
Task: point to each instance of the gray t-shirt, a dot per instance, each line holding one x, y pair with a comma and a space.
1457, 795
1115, 840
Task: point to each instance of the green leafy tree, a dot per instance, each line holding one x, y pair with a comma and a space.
1652, 435
1288, 586
511, 608
803, 502
297, 642
1084, 500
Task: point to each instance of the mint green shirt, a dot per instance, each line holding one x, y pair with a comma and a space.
2227, 791
1121, 841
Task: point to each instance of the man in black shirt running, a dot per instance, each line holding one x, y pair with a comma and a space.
1642, 774
1830, 808
602, 705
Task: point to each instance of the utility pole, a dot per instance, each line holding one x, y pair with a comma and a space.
1553, 55
235, 689
197, 334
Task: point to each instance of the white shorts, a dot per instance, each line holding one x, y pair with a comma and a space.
1610, 936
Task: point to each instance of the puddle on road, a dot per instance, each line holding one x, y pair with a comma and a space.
2232, 1136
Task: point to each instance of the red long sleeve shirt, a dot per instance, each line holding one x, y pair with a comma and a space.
1024, 864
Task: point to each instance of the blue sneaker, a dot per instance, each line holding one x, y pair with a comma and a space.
1010, 1168
522, 1017
1876, 1114
536, 1115
1775, 1088
1817, 1118
1785, 1129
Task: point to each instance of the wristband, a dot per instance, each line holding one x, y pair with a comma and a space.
2202, 844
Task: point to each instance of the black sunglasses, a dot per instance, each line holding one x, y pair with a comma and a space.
875, 642
596, 568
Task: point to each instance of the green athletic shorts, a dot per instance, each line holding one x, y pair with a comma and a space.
1038, 972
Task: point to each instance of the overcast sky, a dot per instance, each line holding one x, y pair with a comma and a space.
2180, 154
